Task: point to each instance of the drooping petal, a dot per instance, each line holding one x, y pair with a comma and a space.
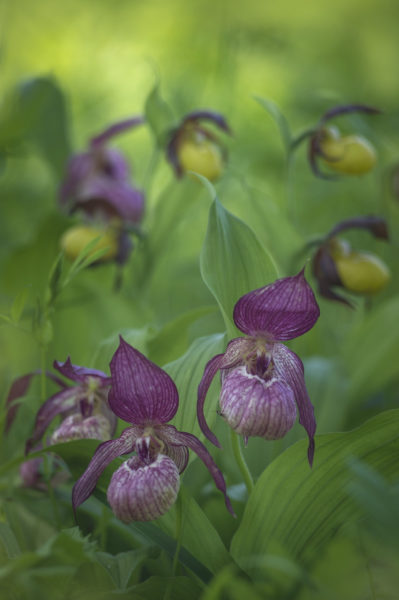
19, 388
79, 167
211, 368
254, 406
207, 115
283, 310
141, 392
105, 453
116, 129
59, 403
80, 374
141, 491
191, 441
290, 368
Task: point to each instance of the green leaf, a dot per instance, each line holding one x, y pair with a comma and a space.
181, 588
370, 348
233, 262
186, 372
122, 565
297, 509
159, 116
198, 534
9, 541
18, 305
278, 118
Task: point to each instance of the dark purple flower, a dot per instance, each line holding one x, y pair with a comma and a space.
262, 380
32, 471
83, 407
193, 147
336, 265
145, 486
97, 181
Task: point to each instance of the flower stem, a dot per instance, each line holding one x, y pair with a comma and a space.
179, 522
43, 372
240, 460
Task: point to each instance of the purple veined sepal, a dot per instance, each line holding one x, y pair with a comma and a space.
141, 391
81, 374
282, 310
173, 437
103, 456
233, 356
290, 368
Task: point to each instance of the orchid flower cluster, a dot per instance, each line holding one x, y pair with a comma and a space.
97, 185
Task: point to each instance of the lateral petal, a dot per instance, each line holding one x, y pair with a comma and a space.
290, 368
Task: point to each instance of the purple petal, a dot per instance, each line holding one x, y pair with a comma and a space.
141, 392
79, 168
111, 197
282, 310
105, 453
187, 439
290, 368
377, 226
348, 108
58, 404
116, 129
172, 154
211, 368
207, 115
231, 358
80, 374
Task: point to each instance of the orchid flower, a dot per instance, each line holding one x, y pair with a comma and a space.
83, 407
262, 380
145, 486
193, 147
97, 181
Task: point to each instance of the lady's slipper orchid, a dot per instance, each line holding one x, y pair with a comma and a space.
262, 380
97, 181
348, 155
83, 407
335, 264
145, 486
193, 147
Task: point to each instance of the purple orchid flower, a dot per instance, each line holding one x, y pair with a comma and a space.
84, 407
145, 486
262, 380
97, 181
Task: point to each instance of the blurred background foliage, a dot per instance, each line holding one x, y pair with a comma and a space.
97, 62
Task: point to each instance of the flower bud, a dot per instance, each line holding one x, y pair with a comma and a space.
349, 155
75, 427
362, 272
256, 406
198, 153
76, 238
142, 491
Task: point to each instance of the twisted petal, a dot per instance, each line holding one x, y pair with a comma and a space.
80, 374
290, 368
58, 404
180, 438
283, 310
113, 197
141, 392
231, 358
105, 453
116, 129
207, 115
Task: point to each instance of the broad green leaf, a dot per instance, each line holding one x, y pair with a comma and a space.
178, 588
233, 262
9, 541
122, 565
18, 305
159, 115
278, 118
186, 372
198, 534
297, 509
371, 348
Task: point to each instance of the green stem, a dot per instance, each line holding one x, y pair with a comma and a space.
43, 372
240, 460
